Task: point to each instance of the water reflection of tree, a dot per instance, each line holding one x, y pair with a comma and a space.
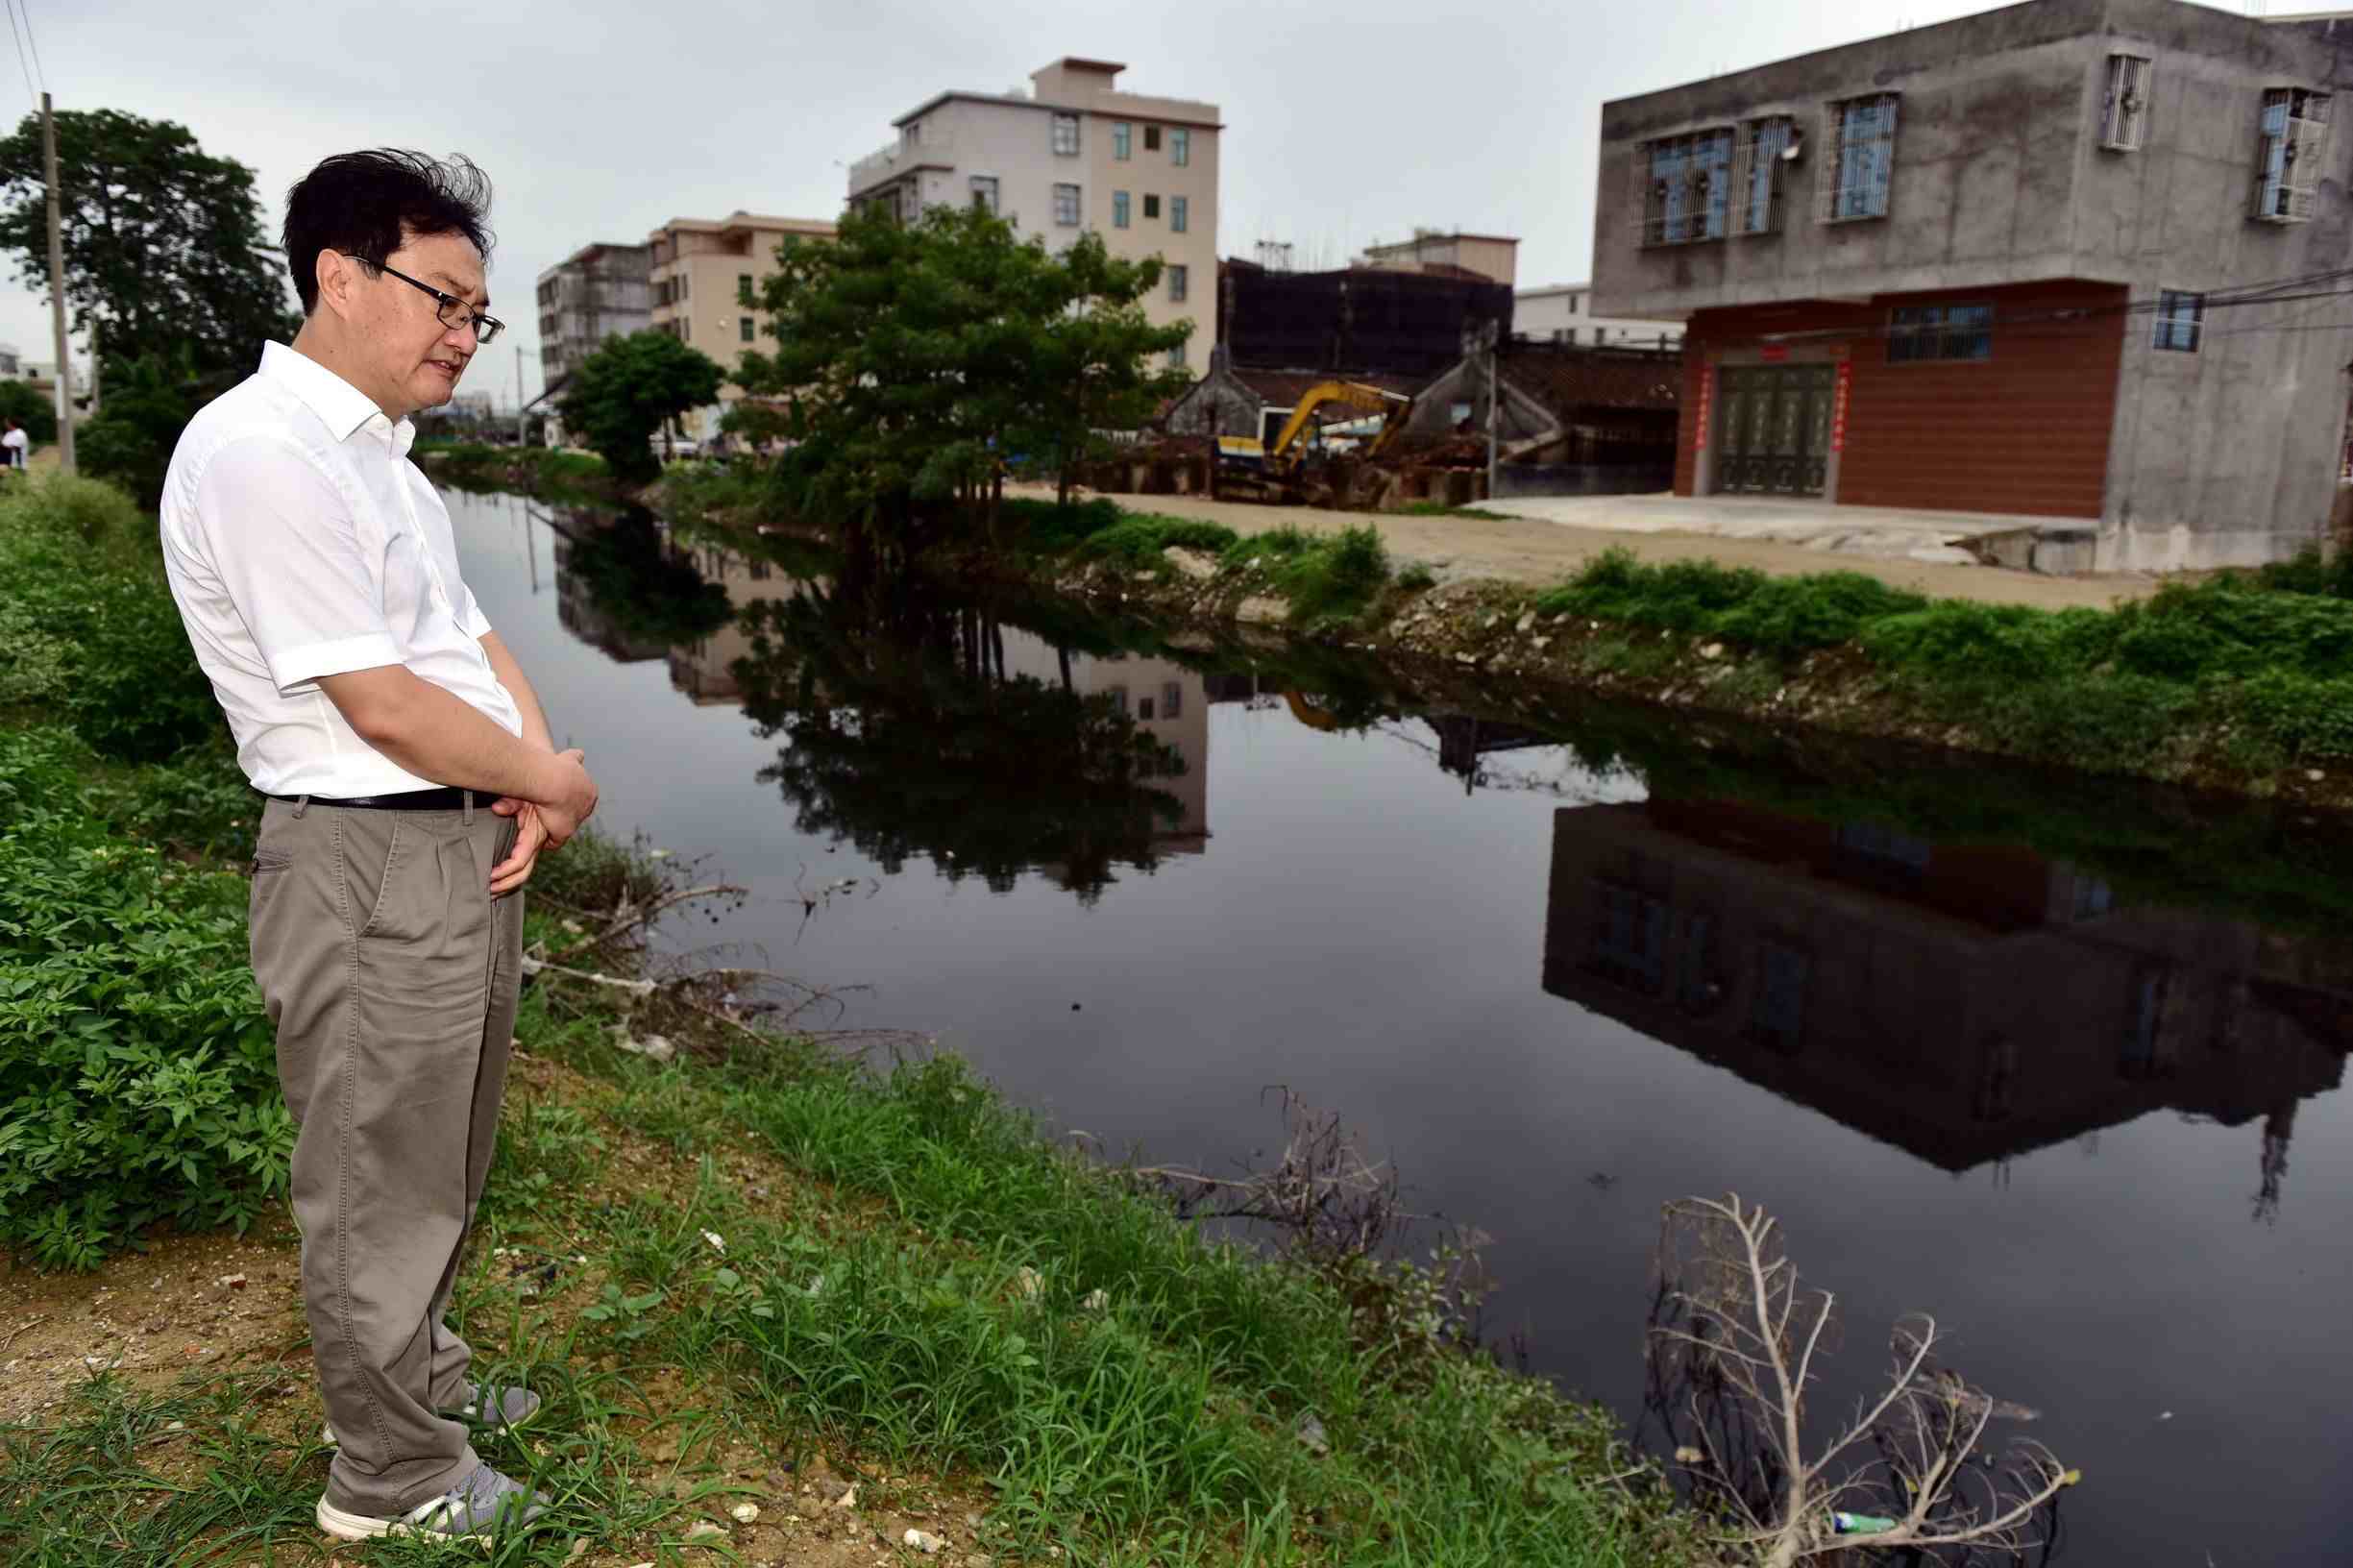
906, 735
647, 589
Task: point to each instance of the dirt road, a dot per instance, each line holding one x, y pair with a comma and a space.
1514, 549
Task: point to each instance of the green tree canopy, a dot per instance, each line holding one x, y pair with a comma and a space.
622, 395
35, 411
163, 243
914, 358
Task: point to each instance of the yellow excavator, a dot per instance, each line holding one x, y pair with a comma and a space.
1276, 470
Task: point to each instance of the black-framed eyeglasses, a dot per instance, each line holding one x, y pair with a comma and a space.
453, 311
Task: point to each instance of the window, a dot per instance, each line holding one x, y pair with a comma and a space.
1177, 279
1144, 708
686, 331
1757, 175
912, 135
1176, 358
1118, 209
1920, 333
1629, 939
2125, 114
1066, 206
1171, 700
743, 287
1860, 135
1151, 139
1066, 135
983, 193
2291, 156
1177, 214
1151, 207
1687, 185
744, 327
2180, 319
686, 284
1119, 698
1572, 304
1180, 148
1122, 136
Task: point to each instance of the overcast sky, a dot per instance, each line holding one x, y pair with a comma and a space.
1345, 124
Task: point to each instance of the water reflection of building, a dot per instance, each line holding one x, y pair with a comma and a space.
1168, 702
1963, 1004
703, 670
578, 611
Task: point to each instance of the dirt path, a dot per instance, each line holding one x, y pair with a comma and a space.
1518, 551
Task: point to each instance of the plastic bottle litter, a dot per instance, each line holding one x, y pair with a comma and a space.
1860, 1524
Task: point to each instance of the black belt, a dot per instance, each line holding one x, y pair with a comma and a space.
443, 799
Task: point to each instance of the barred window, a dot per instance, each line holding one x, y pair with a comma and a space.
1685, 187
2124, 115
1066, 135
1118, 209
1180, 147
1860, 138
1178, 216
1122, 139
983, 193
1923, 332
1178, 277
2291, 154
1757, 175
1066, 206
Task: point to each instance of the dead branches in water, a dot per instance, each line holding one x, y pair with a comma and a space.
1342, 1216
1734, 1334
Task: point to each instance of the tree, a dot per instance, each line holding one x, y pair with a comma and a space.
37, 413
149, 401
163, 242
914, 358
622, 395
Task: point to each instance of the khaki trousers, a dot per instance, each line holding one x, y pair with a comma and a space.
391, 976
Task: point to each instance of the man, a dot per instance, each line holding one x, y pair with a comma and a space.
14, 445
411, 783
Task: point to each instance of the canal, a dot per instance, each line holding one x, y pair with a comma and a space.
2065, 1071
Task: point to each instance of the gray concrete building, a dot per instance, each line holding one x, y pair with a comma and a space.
2076, 260
598, 291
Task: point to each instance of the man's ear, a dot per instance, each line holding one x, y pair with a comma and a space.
337, 275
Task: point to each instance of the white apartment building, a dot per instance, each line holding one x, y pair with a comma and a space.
1073, 154
1563, 313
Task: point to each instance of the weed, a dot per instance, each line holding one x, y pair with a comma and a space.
1417, 578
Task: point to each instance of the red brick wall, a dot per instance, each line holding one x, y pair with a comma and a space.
2024, 431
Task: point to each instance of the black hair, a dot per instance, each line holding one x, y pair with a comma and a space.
368, 204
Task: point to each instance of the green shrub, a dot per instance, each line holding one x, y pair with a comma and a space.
1417, 578
1140, 539
90, 609
1044, 529
2307, 716
137, 1073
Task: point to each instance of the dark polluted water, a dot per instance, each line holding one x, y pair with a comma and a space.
2056, 1060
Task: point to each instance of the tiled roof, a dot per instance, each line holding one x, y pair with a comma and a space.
1566, 378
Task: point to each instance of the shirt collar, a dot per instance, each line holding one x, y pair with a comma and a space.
342, 407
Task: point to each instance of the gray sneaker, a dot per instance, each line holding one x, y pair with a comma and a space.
508, 1408
481, 1508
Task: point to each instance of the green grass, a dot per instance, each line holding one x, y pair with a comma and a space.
546, 470
1330, 579
2254, 678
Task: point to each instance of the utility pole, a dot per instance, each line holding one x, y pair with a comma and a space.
1495, 396
57, 295
520, 421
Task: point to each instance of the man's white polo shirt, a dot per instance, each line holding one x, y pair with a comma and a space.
301, 542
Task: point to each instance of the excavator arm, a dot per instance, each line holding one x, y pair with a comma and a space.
1370, 400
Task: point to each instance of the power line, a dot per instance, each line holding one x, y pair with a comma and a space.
26, 6
20, 56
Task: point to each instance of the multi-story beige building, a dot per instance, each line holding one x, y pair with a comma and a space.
700, 267
1495, 258
1072, 156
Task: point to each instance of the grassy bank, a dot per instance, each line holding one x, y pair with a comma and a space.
2242, 682
546, 472
755, 1272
